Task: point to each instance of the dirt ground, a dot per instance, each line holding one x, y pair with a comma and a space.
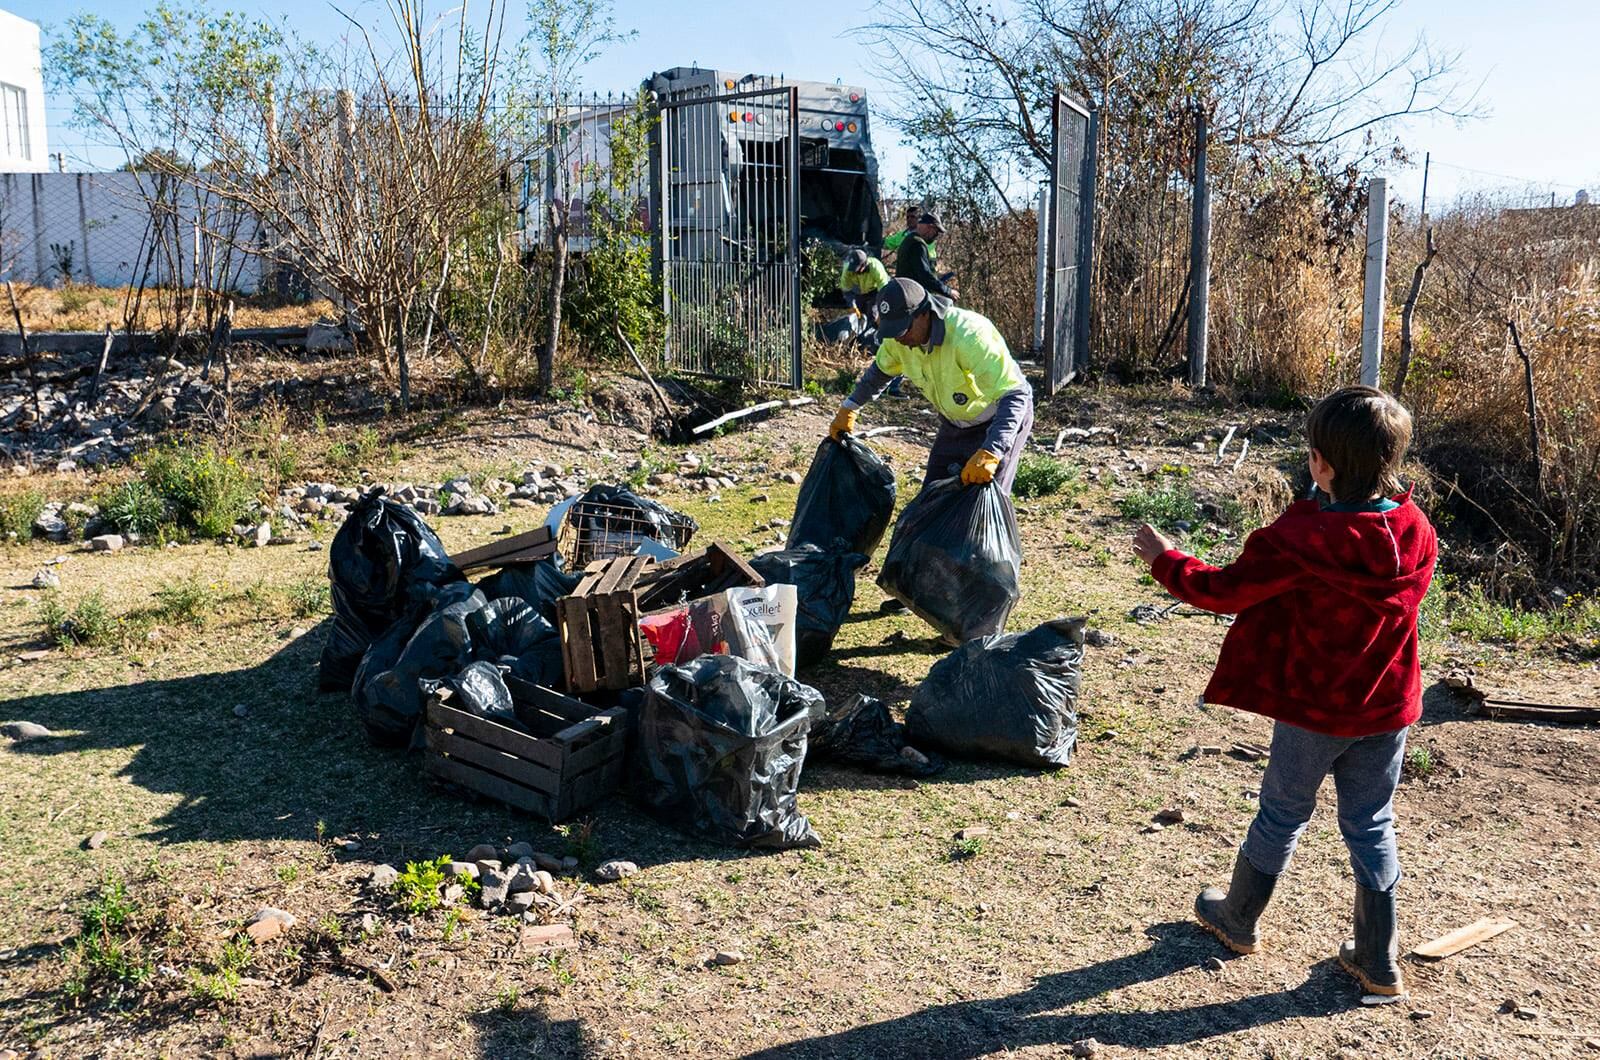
223, 778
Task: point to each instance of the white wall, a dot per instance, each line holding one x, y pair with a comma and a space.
20, 67
95, 224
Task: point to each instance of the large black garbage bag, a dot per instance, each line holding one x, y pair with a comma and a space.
510, 633
1013, 697
848, 493
478, 689
825, 587
541, 584
383, 560
614, 521
720, 744
388, 693
955, 559
862, 732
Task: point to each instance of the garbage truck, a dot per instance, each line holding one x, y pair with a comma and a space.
838, 171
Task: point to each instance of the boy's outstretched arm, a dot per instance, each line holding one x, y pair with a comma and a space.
1260, 572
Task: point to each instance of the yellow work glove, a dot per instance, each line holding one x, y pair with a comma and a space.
980, 468
843, 423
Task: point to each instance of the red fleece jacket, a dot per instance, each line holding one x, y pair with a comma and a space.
1326, 637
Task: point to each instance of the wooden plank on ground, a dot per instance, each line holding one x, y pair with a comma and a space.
1463, 938
495, 553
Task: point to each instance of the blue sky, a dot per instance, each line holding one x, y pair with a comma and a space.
1534, 65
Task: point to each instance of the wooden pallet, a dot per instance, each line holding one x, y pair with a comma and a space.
690, 577
574, 761
601, 649
534, 545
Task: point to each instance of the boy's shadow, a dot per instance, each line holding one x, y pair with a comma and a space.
977, 1028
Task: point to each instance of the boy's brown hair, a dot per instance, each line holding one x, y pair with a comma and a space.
1364, 434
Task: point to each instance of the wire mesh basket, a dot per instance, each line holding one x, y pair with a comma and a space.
596, 529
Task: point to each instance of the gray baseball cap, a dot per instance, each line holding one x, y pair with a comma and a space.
899, 303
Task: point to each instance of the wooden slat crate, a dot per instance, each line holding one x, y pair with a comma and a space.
601, 648
690, 577
556, 774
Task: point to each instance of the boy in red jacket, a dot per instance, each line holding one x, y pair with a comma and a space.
1326, 645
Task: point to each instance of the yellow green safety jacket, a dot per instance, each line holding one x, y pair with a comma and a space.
966, 371
867, 282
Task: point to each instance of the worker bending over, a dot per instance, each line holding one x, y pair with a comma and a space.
959, 360
862, 277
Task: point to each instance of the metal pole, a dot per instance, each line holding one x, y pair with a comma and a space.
796, 367
1377, 257
1199, 259
1051, 351
1085, 249
1041, 264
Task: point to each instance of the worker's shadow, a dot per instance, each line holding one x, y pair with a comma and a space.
1033, 1017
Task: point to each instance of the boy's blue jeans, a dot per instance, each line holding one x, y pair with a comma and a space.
1365, 771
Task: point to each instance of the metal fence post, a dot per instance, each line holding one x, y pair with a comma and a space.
1040, 269
1377, 259
1085, 250
1199, 259
796, 266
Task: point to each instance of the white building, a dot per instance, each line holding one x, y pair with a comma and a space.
23, 148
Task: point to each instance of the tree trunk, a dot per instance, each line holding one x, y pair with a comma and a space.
1533, 410
558, 283
1407, 311
400, 353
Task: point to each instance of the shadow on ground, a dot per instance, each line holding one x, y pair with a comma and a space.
977, 1028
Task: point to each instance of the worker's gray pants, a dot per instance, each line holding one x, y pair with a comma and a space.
954, 446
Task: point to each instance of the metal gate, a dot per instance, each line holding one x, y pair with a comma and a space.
730, 234
1070, 241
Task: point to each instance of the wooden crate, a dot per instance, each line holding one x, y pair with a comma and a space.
690, 577
575, 760
601, 648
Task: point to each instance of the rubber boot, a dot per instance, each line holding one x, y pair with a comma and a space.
1372, 956
1232, 916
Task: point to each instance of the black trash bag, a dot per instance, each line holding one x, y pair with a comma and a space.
862, 732
825, 586
388, 695
383, 560
512, 634
955, 559
848, 493
541, 584
720, 744
479, 689
614, 521
1012, 696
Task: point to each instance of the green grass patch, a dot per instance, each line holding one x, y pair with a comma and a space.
203, 489
107, 957
309, 597
1042, 475
87, 622
189, 602
18, 513
1164, 507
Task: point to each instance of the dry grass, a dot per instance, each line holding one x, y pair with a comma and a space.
80, 308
